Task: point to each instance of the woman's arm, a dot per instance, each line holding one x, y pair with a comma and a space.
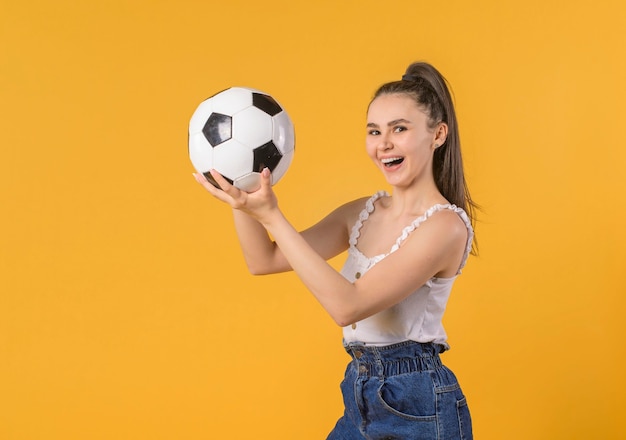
328, 237
260, 253
436, 246
433, 248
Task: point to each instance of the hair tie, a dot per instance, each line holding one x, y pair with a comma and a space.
410, 78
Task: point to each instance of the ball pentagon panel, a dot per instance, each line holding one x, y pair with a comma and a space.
266, 103
218, 129
266, 156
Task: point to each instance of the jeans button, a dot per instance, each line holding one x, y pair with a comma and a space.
362, 369
358, 354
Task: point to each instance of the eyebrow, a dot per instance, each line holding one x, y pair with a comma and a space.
390, 123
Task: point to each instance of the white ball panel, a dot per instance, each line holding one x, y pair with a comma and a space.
231, 101
249, 183
253, 90
282, 167
284, 136
252, 127
200, 116
232, 159
200, 152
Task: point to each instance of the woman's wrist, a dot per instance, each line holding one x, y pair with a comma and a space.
272, 219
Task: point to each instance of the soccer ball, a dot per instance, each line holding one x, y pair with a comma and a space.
238, 132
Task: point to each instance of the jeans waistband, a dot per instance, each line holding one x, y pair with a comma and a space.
391, 360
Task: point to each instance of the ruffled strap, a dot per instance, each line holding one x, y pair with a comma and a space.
363, 215
421, 219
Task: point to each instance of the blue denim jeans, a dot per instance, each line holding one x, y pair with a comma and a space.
401, 391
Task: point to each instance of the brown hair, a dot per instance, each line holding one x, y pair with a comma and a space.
431, 92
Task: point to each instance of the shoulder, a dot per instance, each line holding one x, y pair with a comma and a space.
351, 209
349, 212
357, 205
444, 229
446, 220
438, 241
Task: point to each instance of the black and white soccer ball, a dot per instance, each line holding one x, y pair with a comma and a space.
238, 132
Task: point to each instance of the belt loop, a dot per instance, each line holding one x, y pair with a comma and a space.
378, 363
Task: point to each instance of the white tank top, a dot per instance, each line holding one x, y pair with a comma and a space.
419, 316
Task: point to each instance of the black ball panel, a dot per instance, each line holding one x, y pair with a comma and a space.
266, 103
218, 129
212, 180
266, 155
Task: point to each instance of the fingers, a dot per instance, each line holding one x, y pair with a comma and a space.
258, 204
221, 190
224, 184
226, 192
266, 178
202, 180
214, 181
235, 197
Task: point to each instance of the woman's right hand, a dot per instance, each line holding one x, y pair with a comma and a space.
260, 204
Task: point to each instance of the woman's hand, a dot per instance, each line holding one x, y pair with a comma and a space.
260, 204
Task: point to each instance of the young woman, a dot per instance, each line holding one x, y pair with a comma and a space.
405, 250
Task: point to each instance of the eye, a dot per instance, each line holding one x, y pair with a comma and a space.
399, 128
373, 132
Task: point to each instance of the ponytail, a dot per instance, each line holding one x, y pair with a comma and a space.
431, 92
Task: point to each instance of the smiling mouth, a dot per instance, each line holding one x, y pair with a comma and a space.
391, 161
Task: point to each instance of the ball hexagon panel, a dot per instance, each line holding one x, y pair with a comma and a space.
200, 152
282, 166
232, 100
199, 117
283, 137
218, 129
250, 182
252, 127
232, 159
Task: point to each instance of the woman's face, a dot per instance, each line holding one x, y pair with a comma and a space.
399, 140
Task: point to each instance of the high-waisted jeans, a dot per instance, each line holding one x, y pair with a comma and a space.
401, 391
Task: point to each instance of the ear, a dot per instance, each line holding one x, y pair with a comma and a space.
441, 133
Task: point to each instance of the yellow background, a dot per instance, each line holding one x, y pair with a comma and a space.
125, 308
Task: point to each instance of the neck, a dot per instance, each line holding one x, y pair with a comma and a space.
414, 200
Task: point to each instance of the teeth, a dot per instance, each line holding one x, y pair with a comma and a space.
390, 159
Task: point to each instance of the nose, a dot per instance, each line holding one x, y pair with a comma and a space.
385, 143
